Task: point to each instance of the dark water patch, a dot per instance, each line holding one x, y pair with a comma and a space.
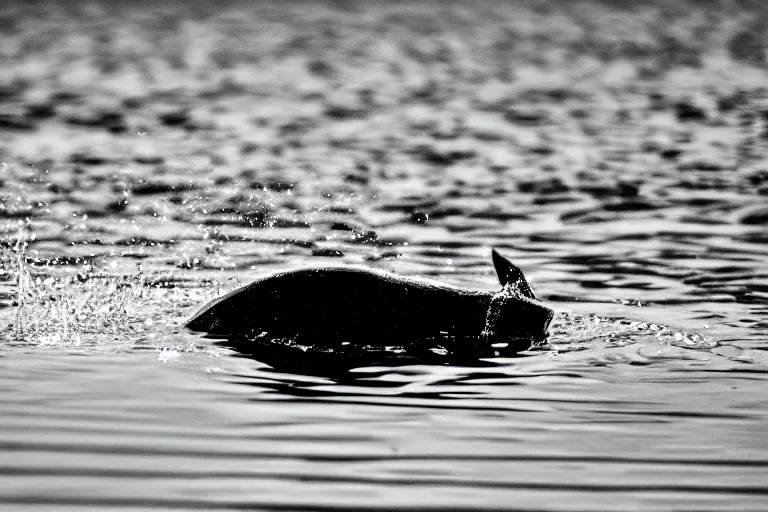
498, 213
633, 205
526, 115
755, 216
174, 116
687, 110
555, 198
327, 252
15, 119
41, 108
608, 190
407, 205
10, 90
148, 187
443, 154
701, 164
111, 120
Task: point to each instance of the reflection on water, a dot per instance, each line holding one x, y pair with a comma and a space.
157, 161
210, 430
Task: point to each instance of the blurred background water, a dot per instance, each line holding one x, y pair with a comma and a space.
155, 156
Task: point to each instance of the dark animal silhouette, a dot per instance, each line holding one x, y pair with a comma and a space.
351, 311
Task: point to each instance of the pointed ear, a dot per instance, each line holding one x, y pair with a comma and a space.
510, 275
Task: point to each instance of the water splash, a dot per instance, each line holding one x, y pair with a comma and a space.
571, 332
86, 307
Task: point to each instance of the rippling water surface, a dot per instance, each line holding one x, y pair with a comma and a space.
156, 157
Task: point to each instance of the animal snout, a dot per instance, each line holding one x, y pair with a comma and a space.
513, 317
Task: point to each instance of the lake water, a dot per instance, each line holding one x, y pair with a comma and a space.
156, 157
